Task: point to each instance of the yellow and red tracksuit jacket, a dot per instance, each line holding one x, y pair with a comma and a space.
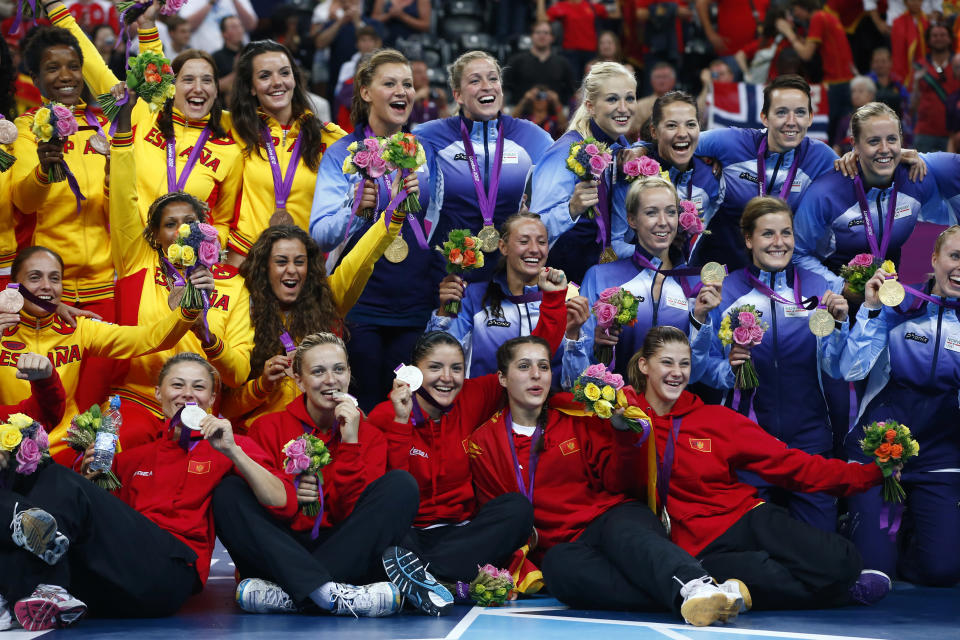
216, 178
143, 289
257, 202
8, 239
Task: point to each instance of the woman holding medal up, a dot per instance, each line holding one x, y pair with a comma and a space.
394, 307
499, 151
910, 355
283, 144
807, 330
578, 240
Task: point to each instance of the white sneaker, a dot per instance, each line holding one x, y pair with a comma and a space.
260, 596
6, 620
48, 607
370, 601
703, 602
738, 598
35, 530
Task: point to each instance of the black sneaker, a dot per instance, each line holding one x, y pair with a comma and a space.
405, 570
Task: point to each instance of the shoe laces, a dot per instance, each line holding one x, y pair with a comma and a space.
343, 597
274, 597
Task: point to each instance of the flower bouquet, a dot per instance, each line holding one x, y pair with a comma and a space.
82, 433
51, 123
196, 245
861, 268
614, 308
642, 166
131, 10
601, 392
891, 445
491, 587
403, 151
26, 441
690, 221
743, 326
365, 159
307, 455
588, 160
462, 252
151, 77
8, 135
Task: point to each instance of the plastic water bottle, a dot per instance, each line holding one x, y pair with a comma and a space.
105, 444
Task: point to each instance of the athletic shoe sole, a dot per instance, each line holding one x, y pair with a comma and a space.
705, 610
735, 605
39, 614
35, 530
405, 570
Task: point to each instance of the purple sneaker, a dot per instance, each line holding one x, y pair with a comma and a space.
871, 587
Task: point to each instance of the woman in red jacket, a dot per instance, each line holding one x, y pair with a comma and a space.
786, 563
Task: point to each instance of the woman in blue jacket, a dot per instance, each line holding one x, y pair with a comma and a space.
790, 361
667, 291
393, 308
911, 354
576, 240
831, 225
479, 160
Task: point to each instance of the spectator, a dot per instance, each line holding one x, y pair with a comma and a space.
93, 13
953, 109
104, 39
933, 81
579, 31
428, 102
896, 8
890, 88
340, 32
907, 40
663, 78
718, 71
664, 22
542, 107
231, 29
824, 32
178, 31
608, 47
759, 60
734, 29
539, 65
402, 18
368, 41
862, 91
204, 17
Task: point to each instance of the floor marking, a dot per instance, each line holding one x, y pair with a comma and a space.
464, 623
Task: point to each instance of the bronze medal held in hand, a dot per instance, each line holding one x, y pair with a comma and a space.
821, 323
489, 239
397, 251
713, 273
99, 143
891, 293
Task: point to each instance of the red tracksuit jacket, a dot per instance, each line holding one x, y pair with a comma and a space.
352, 466
46, 403
435, 453
586, 467
706, 498
174, 488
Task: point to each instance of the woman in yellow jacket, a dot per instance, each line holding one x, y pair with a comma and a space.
282, 142
37, 328
193, 128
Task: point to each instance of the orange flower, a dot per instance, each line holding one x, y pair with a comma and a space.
890, 435
883, 451
468, 242
896, 451
455, 257
166, 69
152, 68
469, 258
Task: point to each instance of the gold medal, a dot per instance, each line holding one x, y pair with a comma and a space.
821, 323
98, 142
572, 290
713, 273
891, 293
489, 239
608, 255
397, 251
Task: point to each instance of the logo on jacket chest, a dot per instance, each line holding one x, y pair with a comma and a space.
569, 446
916, 337
199, 468
749, 177
498, 322
419, 452
701, 444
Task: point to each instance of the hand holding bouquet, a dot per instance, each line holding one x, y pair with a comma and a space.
588, 159
365, 159
462, 252
54, 122
403, 151
891, 445
26, 441
743, 326
82, 433
614, 308
601, 393
131, 10
860, 269
151, 77
491, 587
307, 455
196, 245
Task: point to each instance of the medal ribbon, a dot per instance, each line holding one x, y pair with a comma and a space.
665, 468
174, 183
527, 491
488, 200
335, 438
759, 285
188, 437
641, 262
282, 184
762, 171
48, 307
881, 250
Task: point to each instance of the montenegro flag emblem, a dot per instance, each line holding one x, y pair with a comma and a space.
700, 444
195, 466
569, 446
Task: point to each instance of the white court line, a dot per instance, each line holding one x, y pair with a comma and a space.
20, 634
464, 623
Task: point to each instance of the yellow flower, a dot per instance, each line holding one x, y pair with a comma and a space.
184, 231
603, 408
42, 116
171, 91
173, 253
888, 266
421, 156
621, 398
348, 166
20, 420
188, 256
592, 392
479, 264
635, 413
609, 393
352, 147
46, 131
10, 437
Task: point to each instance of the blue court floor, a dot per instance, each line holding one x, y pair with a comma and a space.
906, 614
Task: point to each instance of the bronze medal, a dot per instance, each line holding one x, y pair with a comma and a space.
608, 255
281, 216
891, 293
713, 273
489, 239
397, 251
821, 323
100, 144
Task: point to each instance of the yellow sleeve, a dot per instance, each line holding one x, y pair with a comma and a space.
96, 73
230, 355
115, 341
224, 209
240, 401
29, 184
150, 41
351, 275
129, 249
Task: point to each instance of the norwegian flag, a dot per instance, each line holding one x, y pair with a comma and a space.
738, 104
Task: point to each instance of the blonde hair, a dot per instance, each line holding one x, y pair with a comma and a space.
872, 110
643, 184
942, 238
592, 85
455, 69
363, 77
315, 340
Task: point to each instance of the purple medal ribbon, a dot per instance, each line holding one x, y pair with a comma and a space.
48, 307
532, 296
18, 20
178, 184
641, 262
282, 184
188, 439
527, 491
122, 101
665, 468
307, 429
180, 281
287, 342
488, 200
881, 250
890, 518
759, 285
762, 171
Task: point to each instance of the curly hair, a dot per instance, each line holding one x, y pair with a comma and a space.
155, 213
8, 78
313, 311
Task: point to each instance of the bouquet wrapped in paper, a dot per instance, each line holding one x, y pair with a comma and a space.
588, 159
615, 307
26, 441
307, 455
890, 444
743, 326
82, 433
462, 252
366, 159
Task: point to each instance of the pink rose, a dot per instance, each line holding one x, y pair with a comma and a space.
303, 461
170, 7
605, 314
208, 231
506, 575
292, 466
881, 424
490, 570
209, 253
861, 260
688, 207
746, 319
595, 371
296, 448
615, 380
741, 335
632, 167
378, 167
649, 166
592, 149
371, 144
690, 222
597, 165
28, 456
756, 334
43, 441
608, 293
362, 159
